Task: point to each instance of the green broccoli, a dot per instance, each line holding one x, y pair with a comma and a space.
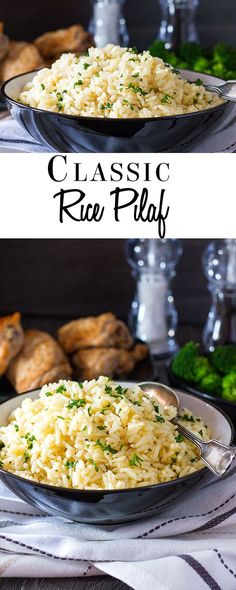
183, 365
229, 387
223, 359
202, 64
189, 52
212, 383
157, 49
201, 368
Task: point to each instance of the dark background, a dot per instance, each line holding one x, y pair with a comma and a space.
25, 20
51, 281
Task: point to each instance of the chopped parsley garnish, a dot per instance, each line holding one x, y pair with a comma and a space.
80, 385
76, 403
200, 432
108, 389
70, 464
78, 83
195, 100
42, 86
101, 427
135, 75
86, 66
198, 82
106, 408
179, 438
193, 460
61, 417
2, 445
61, 388
84, 428
105, 447
187, 418
129, 104
48, 393
119, 390
133, 50
136, 89
160, 419
94, 464
90, 411
137, 403
26, 456
1, 463
166, 98
156, 408
135, 461
106, 106
16, 427
30, 440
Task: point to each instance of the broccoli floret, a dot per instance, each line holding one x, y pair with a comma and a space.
223, 359
183, 365
201, 368
211, 383
190, 52
202, 64
229, 387
221, 52
157, 49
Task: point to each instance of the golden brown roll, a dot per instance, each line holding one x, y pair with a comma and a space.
103, 331
11, 339
4, 42
74, 39
90, 363
41, 361
21, 57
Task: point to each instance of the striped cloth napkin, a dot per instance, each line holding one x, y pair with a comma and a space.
191, 544
14, 138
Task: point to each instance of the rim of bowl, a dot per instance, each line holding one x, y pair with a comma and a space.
74, 491
194, 390
107, 119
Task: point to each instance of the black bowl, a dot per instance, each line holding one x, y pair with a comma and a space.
228, 407
113, 507
67, 133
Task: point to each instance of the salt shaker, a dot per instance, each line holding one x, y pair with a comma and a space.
153, 316
219, 264
177, 22
108, 23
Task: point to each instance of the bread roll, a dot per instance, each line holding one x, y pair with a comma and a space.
93, 362
11, 339
74, 39
41, 361
103, 331
21, 57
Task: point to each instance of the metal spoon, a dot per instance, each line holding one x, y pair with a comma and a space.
216, 456
226, 90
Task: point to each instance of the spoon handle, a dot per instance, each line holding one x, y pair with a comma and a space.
215, 455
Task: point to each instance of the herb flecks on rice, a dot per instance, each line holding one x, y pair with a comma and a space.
97, 435
115, 82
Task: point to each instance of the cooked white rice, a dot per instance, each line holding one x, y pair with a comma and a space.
97, 435
115, 82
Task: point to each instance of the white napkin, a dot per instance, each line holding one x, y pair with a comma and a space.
192, 544
12, 136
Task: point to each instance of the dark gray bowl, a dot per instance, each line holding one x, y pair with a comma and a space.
107, 507
67, 133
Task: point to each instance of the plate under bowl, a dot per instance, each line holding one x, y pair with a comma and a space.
67, 133
107, 507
